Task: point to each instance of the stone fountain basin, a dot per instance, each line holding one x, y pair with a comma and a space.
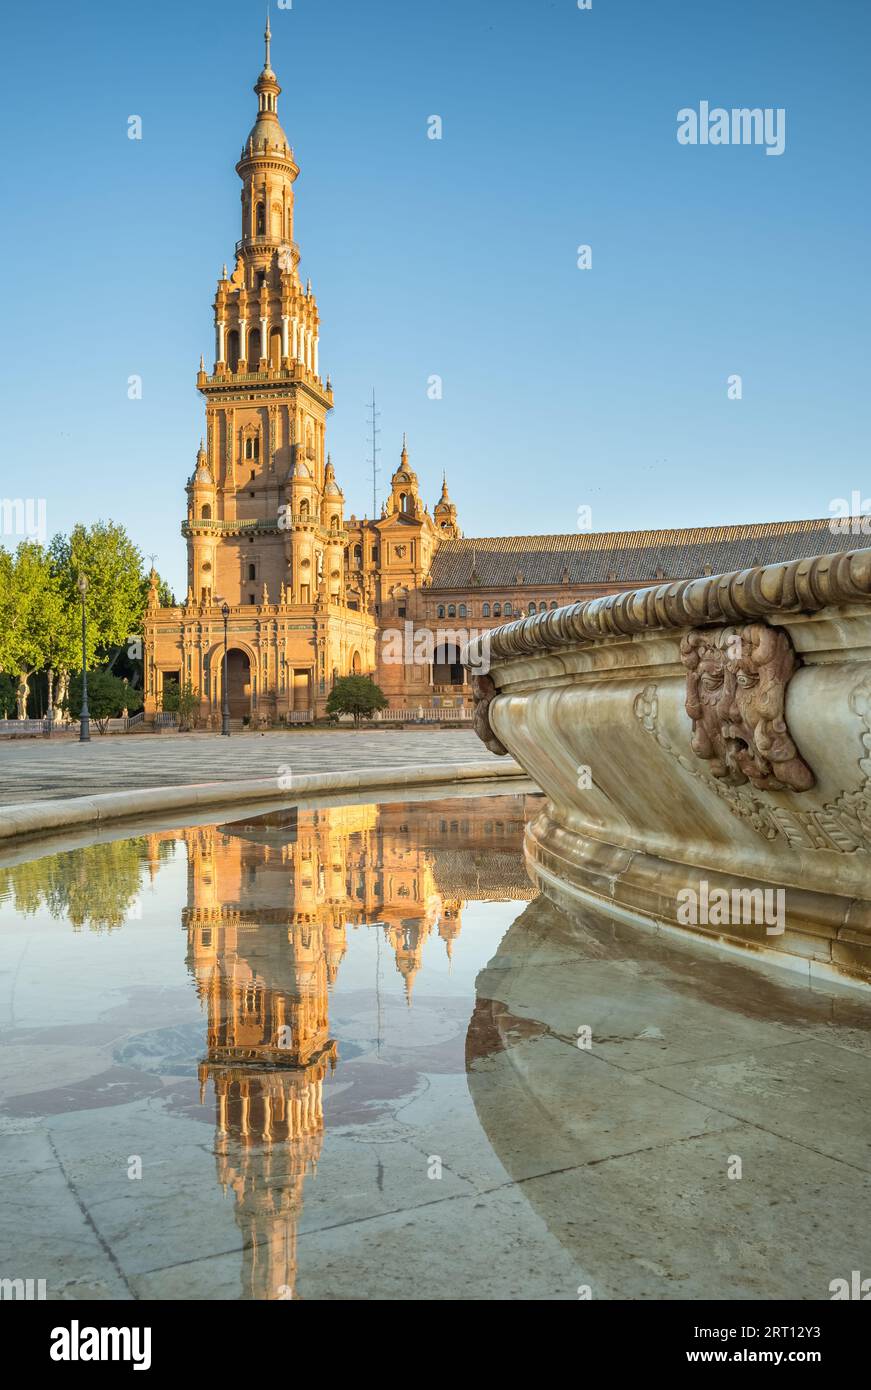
637, 823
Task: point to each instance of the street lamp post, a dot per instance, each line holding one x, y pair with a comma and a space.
225, 701
84, 717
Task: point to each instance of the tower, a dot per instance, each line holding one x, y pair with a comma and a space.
264, 523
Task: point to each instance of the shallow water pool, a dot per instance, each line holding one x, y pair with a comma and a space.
347, 1053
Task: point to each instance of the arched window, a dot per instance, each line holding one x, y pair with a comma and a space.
486, 610
358, 554
255, 350
497, 609
304, 509
252, 572
334, 523
403, 502
508, 610
206, 512
531, 608
252, 446
553, 603
260, 220
275, 347
462, 610
452, 610
233, 349
441, 610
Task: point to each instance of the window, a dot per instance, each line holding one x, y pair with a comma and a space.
452, 610
358, 554
251, 598
497, 609
252, 447
486, 610
462, 610
531, 608
508, 610
252, 572
260, 220
304, 509
553, 603
440, 610
206, 512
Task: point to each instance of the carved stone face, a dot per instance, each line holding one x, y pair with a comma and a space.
484, 691
736, 695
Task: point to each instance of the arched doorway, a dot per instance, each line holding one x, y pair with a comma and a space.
238, 683
355, 664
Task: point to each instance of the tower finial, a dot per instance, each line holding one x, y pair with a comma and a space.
267, 35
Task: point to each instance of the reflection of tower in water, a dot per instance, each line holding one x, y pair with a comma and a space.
270, 901
262, 973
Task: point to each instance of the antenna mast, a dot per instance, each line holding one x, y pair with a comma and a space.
376, 416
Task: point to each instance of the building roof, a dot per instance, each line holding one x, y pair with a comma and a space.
629, 557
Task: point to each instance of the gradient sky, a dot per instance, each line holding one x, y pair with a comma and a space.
562, 388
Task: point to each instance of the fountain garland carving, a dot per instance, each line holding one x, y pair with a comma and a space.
841, 826
736, 698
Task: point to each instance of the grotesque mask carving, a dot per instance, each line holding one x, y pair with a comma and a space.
484, 690
736, 695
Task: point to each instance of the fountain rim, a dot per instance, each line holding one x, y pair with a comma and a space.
782, 589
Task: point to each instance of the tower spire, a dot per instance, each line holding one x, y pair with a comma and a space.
267, 35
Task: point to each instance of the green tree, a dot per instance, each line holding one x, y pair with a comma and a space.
30, 604
184, 701
116, 597
357, 695
108, 697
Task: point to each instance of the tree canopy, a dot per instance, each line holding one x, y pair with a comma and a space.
41, 607
357, 695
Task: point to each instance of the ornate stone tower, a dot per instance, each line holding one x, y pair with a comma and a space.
265, 525
266, 405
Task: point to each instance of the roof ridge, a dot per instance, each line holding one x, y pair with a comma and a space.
650, 535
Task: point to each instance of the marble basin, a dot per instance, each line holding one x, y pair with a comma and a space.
705, 750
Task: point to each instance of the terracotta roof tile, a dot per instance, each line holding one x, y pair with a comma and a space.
628, 557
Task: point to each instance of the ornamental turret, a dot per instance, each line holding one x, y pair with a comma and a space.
445, 515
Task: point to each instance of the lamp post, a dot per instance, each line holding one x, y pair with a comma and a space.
84, 717
225, 700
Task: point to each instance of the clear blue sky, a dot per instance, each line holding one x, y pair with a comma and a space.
562, 388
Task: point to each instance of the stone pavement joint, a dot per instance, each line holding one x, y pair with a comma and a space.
36, 769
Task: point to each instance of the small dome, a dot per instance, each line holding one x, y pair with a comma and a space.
301, 470
332, 490
267, 132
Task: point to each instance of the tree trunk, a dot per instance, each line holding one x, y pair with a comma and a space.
22, 693
61, 692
